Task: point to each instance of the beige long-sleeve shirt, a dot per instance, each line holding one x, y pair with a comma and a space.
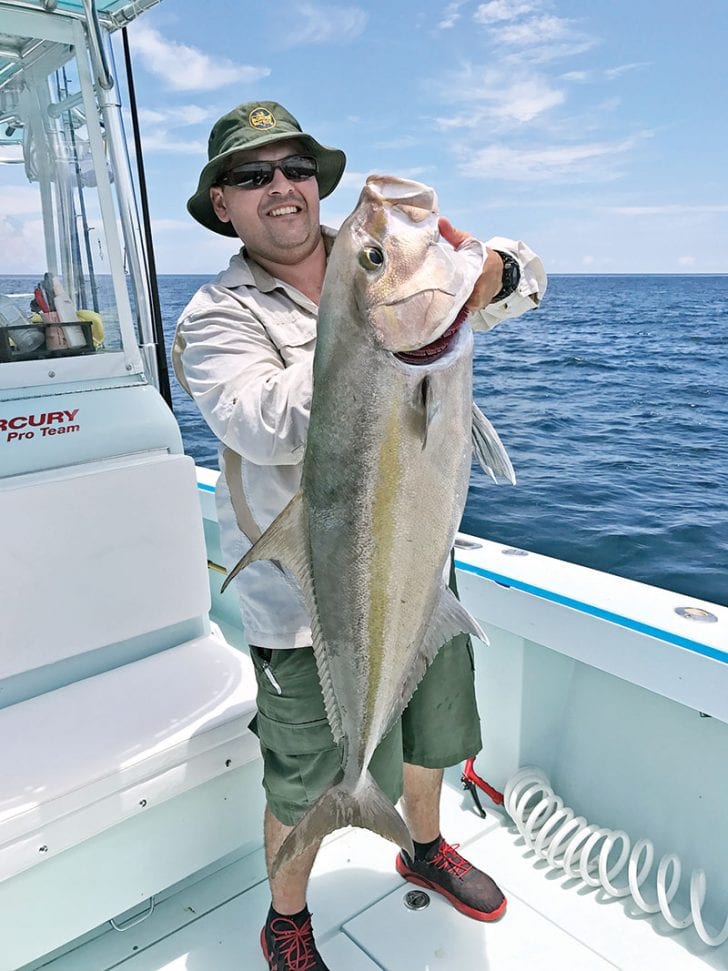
244, 350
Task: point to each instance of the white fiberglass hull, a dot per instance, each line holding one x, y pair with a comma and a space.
595, 680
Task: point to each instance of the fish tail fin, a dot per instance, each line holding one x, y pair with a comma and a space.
365, 806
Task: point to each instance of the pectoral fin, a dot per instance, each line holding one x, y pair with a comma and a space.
430, 408
490, 450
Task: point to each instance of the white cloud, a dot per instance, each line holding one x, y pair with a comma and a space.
19, 200
536, 31
687, 261
513, 102
160, 141
517, 92
522, 32
577, 162
511, 90
668, 210
192, 249
157, 123
354, 179
21, 243
450, 15
176, 117
499, 10
414, 172
171, 225
529, 97
611, 73
547, 53
605, 107
185, 68
318, 24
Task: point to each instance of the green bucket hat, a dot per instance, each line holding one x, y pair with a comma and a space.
248, 126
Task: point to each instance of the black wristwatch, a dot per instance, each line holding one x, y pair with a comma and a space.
510, 279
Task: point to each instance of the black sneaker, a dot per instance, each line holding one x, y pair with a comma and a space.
288, 945
468, 889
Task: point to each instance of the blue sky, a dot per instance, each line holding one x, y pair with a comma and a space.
594, 131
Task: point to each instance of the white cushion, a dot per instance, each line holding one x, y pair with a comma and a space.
123, 552
80, 759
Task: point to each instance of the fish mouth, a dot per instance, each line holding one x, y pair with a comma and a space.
438, 348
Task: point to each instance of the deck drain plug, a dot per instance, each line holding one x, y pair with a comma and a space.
416, 900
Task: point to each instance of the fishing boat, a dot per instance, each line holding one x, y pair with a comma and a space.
130, 784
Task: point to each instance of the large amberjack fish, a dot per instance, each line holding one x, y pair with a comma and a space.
385, 477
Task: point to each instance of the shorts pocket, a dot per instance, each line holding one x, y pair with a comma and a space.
304, 738
301, 761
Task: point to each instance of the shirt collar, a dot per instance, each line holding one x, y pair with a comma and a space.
243, 271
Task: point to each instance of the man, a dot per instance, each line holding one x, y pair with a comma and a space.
244, 351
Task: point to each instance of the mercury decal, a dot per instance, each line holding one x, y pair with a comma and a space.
24, 427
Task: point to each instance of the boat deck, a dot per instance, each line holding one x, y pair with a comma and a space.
361, 923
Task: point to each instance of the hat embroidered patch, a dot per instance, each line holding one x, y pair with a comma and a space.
261, 119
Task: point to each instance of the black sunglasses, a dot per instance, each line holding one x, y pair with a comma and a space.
254, 175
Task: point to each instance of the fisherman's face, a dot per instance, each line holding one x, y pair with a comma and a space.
278, 222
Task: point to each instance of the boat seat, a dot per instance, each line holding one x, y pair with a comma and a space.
80, 759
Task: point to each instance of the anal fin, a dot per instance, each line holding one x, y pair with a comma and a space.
449, 619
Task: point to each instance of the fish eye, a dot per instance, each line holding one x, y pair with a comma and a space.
371, 258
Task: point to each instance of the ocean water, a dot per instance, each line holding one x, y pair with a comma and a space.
612, 400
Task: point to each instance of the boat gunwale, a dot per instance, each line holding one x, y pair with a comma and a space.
528, 579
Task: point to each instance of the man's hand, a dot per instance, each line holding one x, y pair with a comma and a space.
490, 280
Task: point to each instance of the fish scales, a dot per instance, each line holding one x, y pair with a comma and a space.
381, 546
384, 483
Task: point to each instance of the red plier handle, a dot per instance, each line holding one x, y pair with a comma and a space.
472, 782
41, 300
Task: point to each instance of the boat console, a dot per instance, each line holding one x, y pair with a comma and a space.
124, 715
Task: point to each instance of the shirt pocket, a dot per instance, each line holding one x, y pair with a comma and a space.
292, 333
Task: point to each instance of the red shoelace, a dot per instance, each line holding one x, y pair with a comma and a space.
295, 943
447, 858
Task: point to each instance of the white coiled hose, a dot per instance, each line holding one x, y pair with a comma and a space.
569, 842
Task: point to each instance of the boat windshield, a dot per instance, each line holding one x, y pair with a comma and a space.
64, 289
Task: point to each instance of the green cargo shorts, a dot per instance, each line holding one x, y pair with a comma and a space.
439, 727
